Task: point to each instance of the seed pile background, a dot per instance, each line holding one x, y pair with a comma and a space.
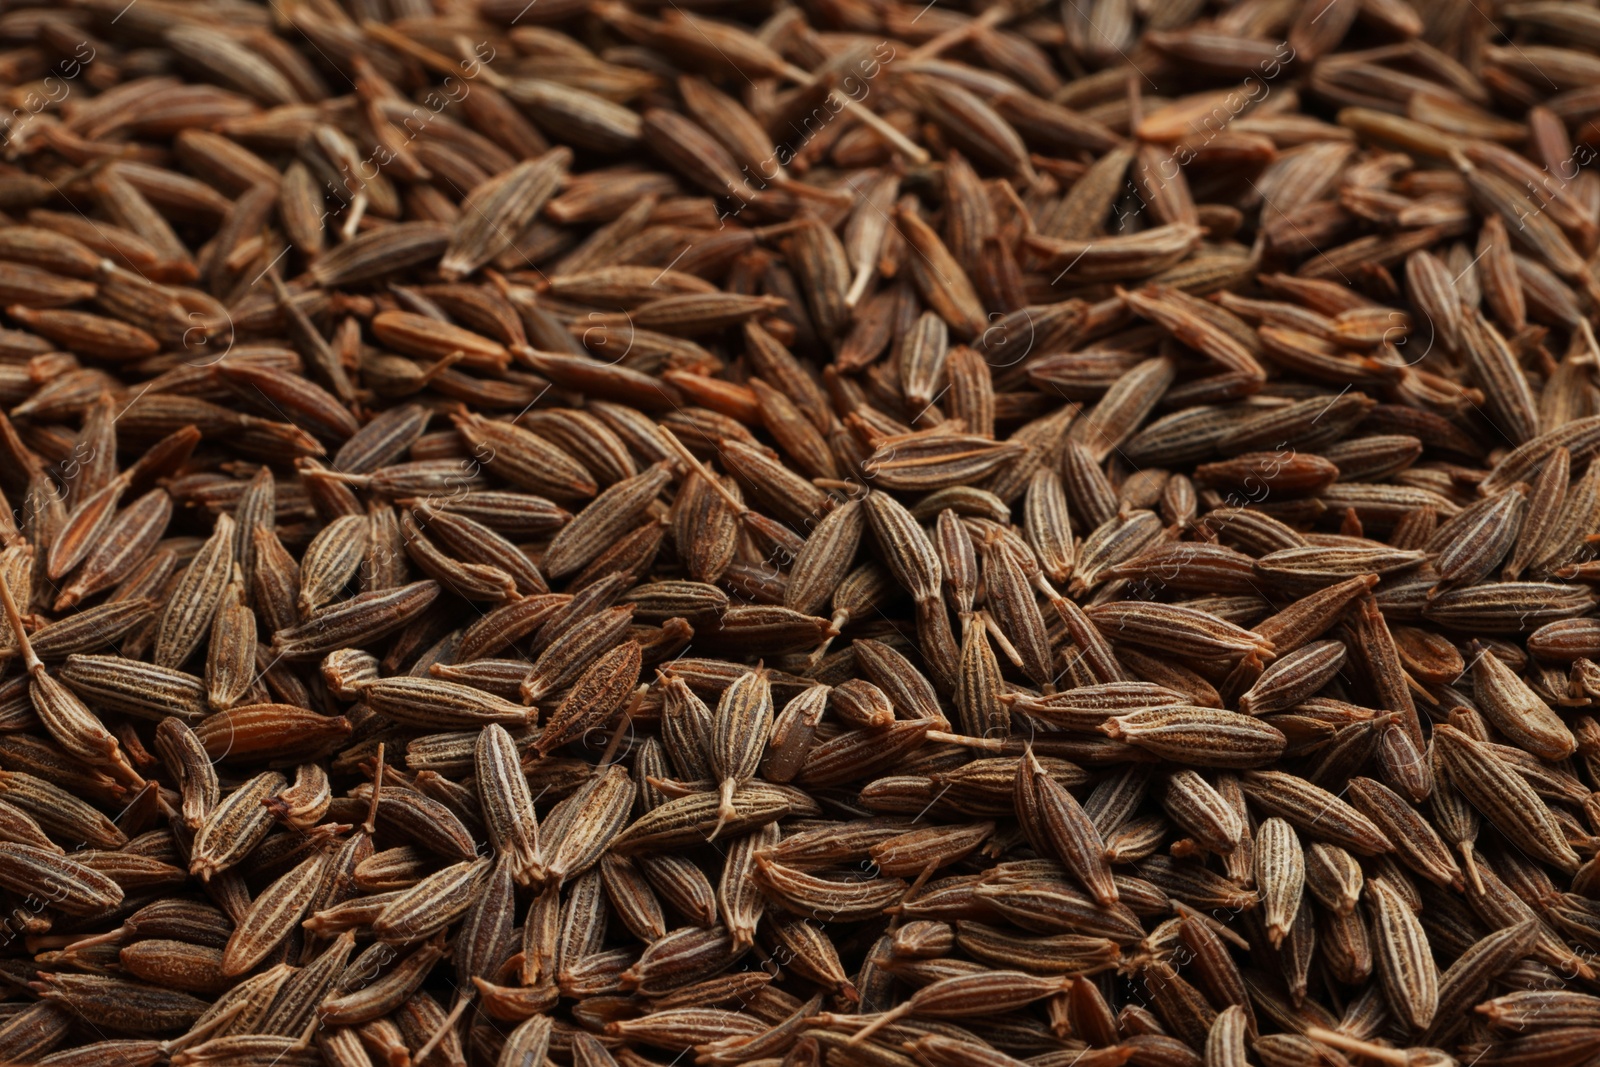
842, 533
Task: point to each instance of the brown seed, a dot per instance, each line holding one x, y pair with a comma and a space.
506, 803
273, 915
235, 826
189, 613
1416, 843
1203, 736
70, 886
1405, 963
595, 697
1053, 814
1502, 796
494, 213
1314, 811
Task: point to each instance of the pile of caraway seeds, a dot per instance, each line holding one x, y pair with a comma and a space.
802, 533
